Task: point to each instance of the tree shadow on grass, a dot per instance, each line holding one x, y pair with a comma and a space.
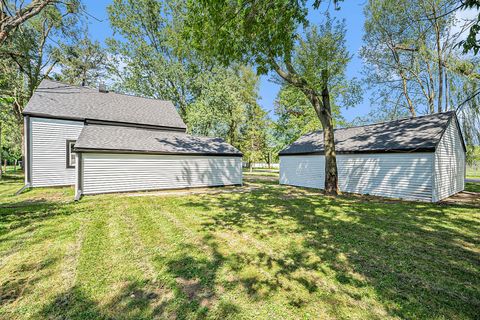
195, 288
24, 280
135, 300
191, 294
23, 213
472, 187
421, 259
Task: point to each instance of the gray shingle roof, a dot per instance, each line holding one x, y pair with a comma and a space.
58, 100
404, 135
141, 140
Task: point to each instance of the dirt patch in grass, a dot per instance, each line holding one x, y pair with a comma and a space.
193, 191
194, 290
464, 198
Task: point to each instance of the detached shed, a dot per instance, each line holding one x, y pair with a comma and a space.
420, 158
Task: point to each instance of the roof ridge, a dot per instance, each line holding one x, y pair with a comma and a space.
172, 132
113, 92
402, 119
71, 85
384, 122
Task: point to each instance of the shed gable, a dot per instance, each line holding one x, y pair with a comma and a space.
449, 163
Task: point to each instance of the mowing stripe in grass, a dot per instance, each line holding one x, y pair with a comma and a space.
38, 266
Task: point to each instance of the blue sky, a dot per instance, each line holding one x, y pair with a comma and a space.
351, 12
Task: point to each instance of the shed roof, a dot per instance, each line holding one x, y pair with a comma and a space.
59, 100
111, 138
420, 134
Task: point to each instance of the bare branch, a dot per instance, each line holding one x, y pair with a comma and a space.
11, 21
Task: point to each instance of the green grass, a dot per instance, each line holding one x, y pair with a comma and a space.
473, 174
472, 187
276, 252
261, 172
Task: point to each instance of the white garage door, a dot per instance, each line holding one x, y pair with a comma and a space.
130, 172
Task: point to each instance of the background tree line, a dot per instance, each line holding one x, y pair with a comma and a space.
205, 59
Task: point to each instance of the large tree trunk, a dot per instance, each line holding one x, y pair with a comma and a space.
324, 114
331, 171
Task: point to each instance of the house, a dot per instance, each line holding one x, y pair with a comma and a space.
103, 142
420, 158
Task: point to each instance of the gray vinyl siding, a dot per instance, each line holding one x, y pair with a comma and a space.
103, 173
449, 164
48, 151
395, 175
303, 171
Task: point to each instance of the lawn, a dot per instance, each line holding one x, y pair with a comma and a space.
261, 172
473, 175
275, 252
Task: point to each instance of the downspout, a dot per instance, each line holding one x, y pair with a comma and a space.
27, 155
79, 176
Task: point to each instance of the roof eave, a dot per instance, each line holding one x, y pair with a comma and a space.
153, 152
413, 150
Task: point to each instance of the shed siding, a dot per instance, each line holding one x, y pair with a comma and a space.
104, 173
396, 175
449, 164
49, 151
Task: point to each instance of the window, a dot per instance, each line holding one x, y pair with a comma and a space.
70, 154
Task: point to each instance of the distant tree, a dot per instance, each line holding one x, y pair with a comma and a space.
410, 54
150, 57
153, 59
254, 135
82, 62
220, 107
413, 63
268, 35
30, 54
10, 134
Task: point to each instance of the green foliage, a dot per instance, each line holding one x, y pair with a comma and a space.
81, 62
473, 155
10, 132
30, 54
321, 58
249, 32
409, 53
254, 135
156, 61
220, 108
295, 116
323, 50
150, 57
471, 43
